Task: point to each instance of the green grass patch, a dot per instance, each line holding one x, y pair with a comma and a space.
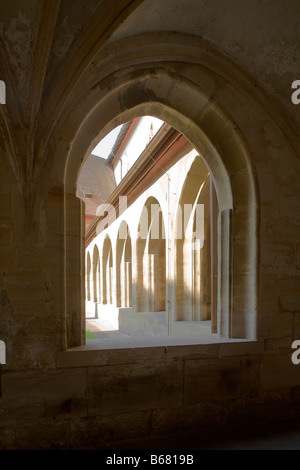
89, 335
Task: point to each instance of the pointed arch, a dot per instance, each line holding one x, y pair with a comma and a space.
195, 293
96, 275
107, 271
124, 267
151, 258
192, 101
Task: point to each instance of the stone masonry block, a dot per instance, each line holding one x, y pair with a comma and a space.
116, 389
220, 379
38, 395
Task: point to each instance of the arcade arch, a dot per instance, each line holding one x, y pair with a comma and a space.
124, 267
151, 258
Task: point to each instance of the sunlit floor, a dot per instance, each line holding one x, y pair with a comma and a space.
101, 329
100, 334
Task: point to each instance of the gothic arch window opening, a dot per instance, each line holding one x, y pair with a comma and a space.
140, 279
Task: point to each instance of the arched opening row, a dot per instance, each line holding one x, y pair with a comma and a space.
165, 260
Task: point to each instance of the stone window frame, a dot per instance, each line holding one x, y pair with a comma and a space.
212, 130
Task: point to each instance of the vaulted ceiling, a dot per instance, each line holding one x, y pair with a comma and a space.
47, 46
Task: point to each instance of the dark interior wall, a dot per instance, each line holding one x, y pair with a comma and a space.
53, 397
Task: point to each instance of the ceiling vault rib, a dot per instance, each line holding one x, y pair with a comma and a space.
11, 147
79, 60
11, 109
38, 73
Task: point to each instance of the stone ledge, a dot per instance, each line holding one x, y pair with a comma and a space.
133, 350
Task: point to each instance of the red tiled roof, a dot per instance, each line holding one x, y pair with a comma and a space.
119, 140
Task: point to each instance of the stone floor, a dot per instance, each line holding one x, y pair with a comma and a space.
107, 336
102, 329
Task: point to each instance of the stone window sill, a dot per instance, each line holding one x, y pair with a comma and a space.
131, 350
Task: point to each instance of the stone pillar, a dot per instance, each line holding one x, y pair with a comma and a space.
196, 282
150, 284
225, 273
128, 284
75, 271
213, 256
